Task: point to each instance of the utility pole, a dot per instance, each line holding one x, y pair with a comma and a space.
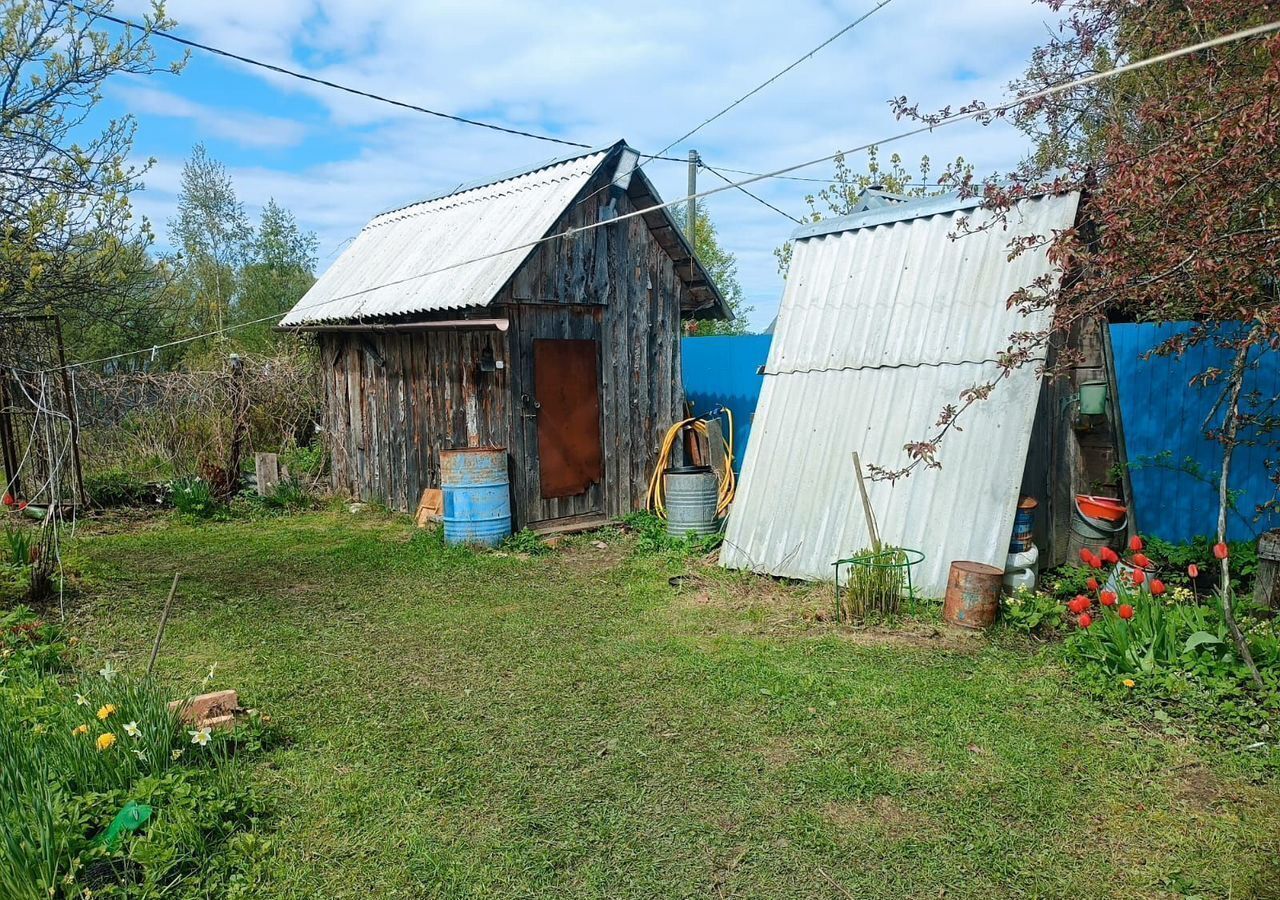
691, 217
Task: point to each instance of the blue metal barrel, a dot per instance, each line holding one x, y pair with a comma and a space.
477, 495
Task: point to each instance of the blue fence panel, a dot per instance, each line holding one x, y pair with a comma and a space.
1173, 466
723, 370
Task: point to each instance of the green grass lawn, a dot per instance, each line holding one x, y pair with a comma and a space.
462, 725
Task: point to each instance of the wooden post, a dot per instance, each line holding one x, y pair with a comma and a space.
12, 475
267, 467
164, 620
1266, 583
73, 416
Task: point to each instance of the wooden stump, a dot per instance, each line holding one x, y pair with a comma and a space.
267, 467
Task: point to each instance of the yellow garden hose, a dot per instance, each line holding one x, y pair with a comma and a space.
728, 483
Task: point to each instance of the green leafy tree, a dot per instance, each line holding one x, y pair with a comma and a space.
722, 266
69, 243
842, 196
280, 270
214, 237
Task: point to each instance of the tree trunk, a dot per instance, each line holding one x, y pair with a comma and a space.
1229, 429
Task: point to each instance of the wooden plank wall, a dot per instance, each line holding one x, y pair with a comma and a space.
394, 400
622, 268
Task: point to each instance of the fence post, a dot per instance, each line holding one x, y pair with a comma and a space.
239, 422
73, 416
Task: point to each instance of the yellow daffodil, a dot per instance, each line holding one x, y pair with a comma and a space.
132, 729
106, 741
200, 736
1129, 682
106, 712
80, 729
176, 754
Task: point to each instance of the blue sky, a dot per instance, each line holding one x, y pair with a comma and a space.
586, 71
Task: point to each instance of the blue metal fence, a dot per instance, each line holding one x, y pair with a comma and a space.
724, 371
1173, 466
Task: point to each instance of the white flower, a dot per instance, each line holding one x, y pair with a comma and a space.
141, 754
82, 700
209, 676
132, 730
107, 672
200, 736
176, 754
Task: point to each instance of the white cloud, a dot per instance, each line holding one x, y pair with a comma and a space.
248, 129
594, 72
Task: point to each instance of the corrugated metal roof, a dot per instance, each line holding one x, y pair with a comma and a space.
378, 274
884, 321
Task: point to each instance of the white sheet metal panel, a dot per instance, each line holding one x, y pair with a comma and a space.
884, 321
382, 272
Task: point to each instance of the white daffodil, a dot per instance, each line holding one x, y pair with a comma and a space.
141, 754
176, 754
82, 700
209, 677
200, 736
132, 729
108, 671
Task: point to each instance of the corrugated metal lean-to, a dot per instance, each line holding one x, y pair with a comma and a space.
884, 321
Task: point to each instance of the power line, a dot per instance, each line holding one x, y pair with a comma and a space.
271, 67
755, 197
764, 84
733, 185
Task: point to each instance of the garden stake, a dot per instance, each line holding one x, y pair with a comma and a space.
164, 618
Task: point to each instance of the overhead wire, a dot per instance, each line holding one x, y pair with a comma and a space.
968, 114
755, 197
770, 80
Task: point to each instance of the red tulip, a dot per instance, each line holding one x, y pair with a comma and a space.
1085, 620
1079, 605
1095, 561
1140, 560
1125, 611
1092, 583
1220, 550
1135, 543
1109, 556
1139, 576
1085, 555
1157, 587
1193, 570
1108, 598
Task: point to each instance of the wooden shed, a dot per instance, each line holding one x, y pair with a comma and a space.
455, 322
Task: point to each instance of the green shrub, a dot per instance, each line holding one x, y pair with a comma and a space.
652, 537
29, 644
526, 541
119, 488
72, 756
192, 496
1032, 612
310, 461
288, 494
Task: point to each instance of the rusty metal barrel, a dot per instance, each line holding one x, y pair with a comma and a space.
477, 495
973, 595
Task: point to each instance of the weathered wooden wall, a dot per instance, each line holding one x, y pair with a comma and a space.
393, 400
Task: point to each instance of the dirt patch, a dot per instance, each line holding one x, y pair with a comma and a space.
910, 761
882, 813
778, 753
916, 636
1197, 787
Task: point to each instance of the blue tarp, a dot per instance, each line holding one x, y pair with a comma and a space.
724, 371
1173, 466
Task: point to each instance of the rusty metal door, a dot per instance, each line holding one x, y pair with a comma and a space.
566, 376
